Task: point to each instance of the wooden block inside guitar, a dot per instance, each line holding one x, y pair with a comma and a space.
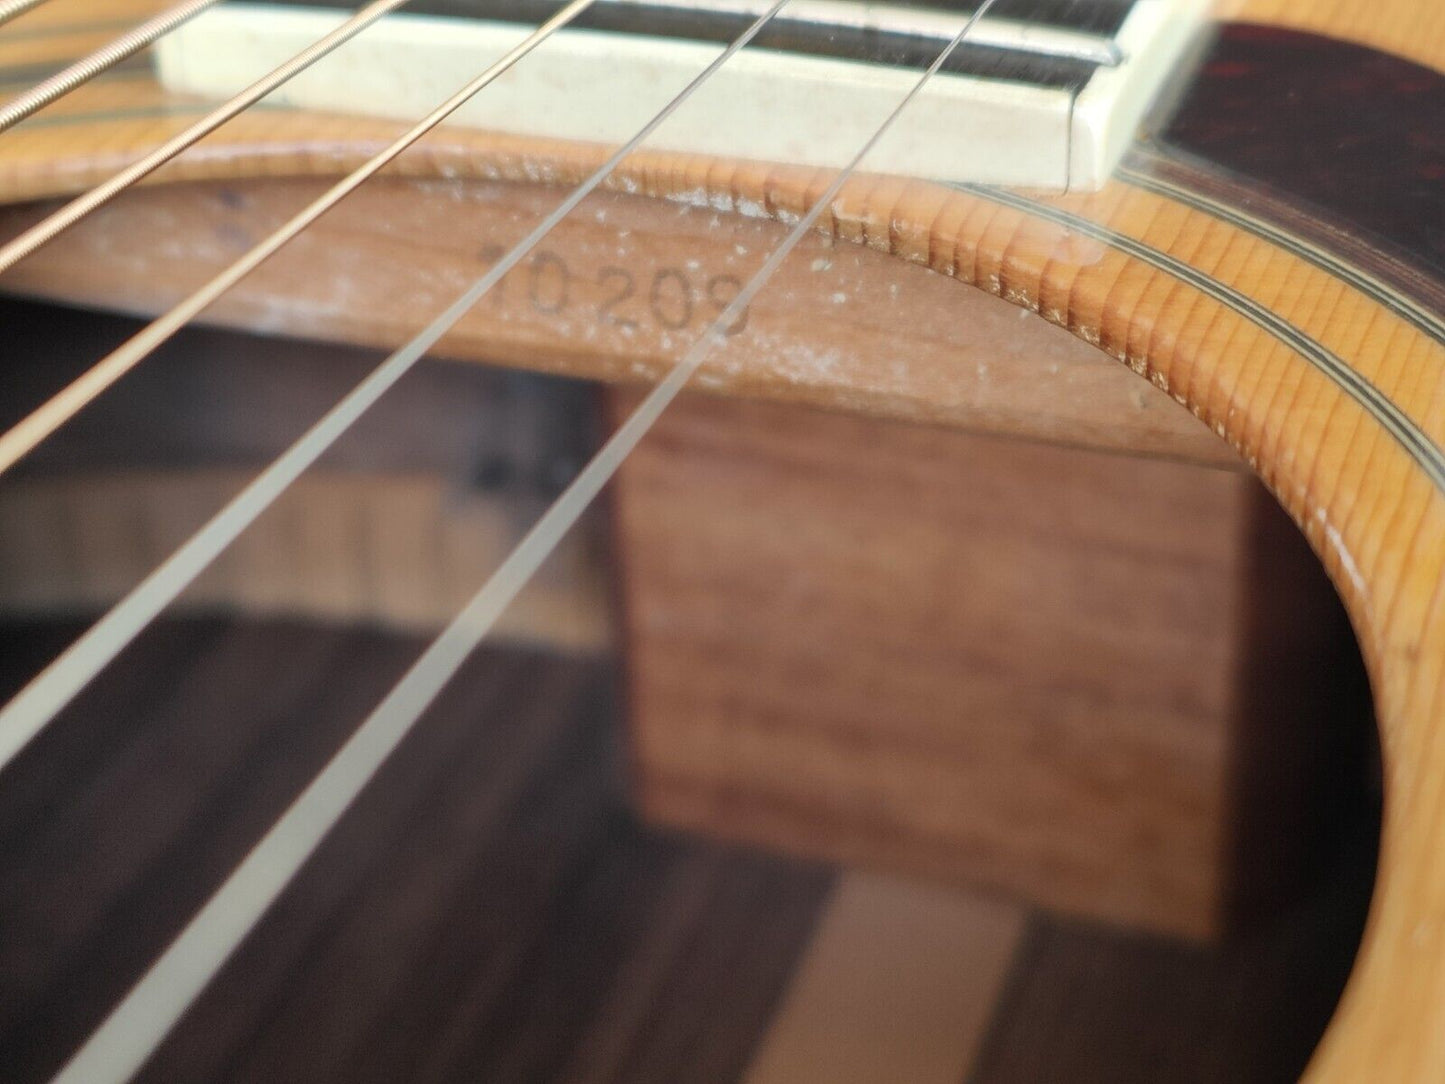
1103, 683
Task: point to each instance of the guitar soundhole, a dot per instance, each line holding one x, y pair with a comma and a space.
795, 763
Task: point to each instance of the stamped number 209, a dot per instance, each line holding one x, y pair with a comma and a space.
669, 298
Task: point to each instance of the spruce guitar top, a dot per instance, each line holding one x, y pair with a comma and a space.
1244, 207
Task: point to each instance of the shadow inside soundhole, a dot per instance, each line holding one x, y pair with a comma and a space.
513, 899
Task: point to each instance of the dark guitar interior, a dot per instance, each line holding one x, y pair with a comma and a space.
493, 908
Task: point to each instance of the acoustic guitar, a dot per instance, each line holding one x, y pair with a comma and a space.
1243, 206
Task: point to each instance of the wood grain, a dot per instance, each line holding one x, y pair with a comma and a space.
1023, 666
407, 517
1096, 1006
1406, 28
58, 31
538, 928
396, 551
556, 938
1336, 402
1352, 146
615, 293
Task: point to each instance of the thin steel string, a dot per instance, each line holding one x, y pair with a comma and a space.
157, 1001
104, 58
25, 434
9, 9
34, 706
60, 220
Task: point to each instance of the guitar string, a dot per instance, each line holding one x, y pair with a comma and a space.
103, 59
60, 220
40, 423
27, 714
137, 1026
10, 9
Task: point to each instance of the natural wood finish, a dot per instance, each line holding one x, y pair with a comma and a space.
555, 938
58, 31
899, 982
1026, 667
537, 933
406, 517
1374, 515
395, 550
604, 299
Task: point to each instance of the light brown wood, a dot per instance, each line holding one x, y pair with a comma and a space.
1368, 505
58, 31
615, 293
394, 550
976, 660
900, 982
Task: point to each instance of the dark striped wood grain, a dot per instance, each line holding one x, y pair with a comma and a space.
489, 910
1353, 139
1090, 1005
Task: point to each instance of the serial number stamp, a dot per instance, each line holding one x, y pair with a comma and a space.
665, 299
